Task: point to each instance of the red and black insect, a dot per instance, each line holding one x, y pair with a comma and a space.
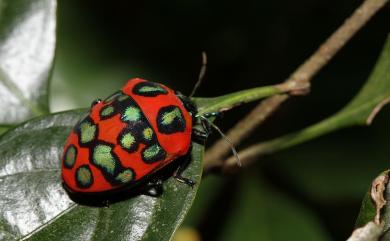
128, 138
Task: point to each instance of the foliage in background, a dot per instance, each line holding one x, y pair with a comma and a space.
27, 40
259, 192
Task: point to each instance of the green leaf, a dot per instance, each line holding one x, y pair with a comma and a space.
262, 213
226, 102
34, 206
373, 201
360, 111
27, 46
208, 192
373, 223
3, 128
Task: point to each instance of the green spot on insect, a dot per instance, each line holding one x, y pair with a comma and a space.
88, 131
107, 111
125, 176
148, 133
70, 156
146, 89
84, 176
132, 114
169, 117
128, 140
103, 158
151, 151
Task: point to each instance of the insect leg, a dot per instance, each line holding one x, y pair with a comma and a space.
179, 171
199, 136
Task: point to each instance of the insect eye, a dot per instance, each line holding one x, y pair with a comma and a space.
95, 102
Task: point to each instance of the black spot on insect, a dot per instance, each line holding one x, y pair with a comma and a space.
137, 123
149, 89
87, 132
170, 120
129, 111
138, 130
147, 135
153, 153
84, 177
128, 140
70, 156
107, 112
103, 157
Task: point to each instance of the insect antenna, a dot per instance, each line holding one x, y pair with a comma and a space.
202, 73
225, 138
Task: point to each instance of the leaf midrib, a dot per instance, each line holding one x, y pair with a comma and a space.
12, 137
30, 172
44, 225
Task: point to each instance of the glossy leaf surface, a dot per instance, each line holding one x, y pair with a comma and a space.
27, 48
362, 109
34, 206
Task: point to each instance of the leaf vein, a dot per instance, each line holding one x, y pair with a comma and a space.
70, 208
30, 172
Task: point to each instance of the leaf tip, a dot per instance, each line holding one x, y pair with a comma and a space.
378, 188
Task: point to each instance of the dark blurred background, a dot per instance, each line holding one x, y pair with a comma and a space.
309, 192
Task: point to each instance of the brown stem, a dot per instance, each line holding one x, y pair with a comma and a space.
302, 75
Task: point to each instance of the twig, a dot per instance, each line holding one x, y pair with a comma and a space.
302, 75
